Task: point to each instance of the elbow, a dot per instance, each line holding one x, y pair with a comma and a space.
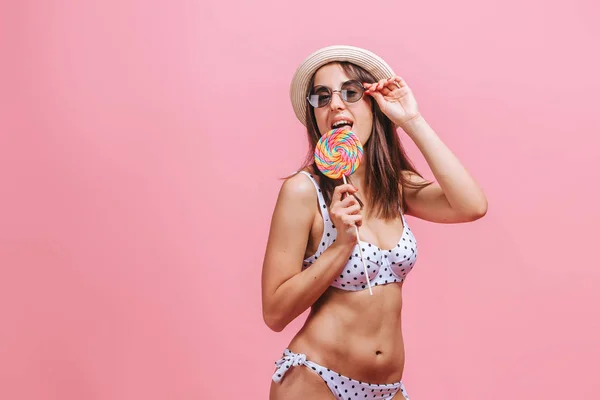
479, 211
273, 321
482, 209
472, 213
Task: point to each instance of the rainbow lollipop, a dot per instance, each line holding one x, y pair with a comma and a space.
338, 154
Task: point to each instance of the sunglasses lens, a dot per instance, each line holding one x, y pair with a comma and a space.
319, 97
352, 91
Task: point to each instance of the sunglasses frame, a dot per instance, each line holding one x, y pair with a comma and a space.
340, 91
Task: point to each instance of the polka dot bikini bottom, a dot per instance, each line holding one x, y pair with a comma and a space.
341, 386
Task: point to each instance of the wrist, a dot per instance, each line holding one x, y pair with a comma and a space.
412, 124
343, 247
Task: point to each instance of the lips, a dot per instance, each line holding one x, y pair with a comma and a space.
344, 123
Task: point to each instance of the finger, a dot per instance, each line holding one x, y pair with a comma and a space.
373, 87
348, 201
359, 220
351, 219
341, 189
392, 84
377, 96
399, 81
353, 209
344, 188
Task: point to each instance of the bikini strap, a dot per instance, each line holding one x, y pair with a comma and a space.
288, 360
322, 205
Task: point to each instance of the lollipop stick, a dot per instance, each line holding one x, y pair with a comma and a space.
360, 251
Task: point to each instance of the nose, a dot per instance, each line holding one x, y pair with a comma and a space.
336, 101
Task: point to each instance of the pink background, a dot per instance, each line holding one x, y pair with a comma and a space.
140, 146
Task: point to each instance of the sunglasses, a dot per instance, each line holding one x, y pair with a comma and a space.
351, 92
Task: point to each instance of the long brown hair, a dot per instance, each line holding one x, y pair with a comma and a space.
384, 152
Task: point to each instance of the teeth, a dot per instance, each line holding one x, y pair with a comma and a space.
341, 123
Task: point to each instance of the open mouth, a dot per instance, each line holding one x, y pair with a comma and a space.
344, 124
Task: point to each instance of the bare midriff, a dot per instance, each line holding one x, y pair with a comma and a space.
356, 334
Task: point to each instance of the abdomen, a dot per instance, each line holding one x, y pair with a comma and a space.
356, 334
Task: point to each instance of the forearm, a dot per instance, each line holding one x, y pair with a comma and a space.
301, 291
460, 189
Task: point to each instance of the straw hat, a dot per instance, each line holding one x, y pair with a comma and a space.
361, 57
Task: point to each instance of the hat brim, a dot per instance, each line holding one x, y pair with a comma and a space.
365, 59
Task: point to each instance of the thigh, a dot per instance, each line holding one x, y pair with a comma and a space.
300, 383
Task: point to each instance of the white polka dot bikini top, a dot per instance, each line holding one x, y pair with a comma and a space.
383, 266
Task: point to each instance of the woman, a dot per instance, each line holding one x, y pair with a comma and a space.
351, 346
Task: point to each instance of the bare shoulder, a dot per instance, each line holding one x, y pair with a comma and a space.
298, 188
295, 208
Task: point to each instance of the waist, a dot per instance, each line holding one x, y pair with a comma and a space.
356, 334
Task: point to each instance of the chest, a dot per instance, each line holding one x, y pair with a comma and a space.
383, 265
